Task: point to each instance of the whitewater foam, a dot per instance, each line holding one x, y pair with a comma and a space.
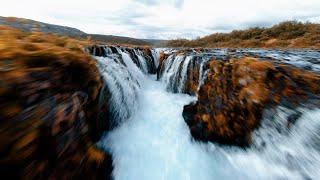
154, 142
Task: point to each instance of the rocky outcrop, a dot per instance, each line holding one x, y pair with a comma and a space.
49, 91
161, 67
236, 92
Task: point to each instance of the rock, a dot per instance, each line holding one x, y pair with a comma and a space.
161, 67
232, 100
147, 54
193, 74
49, 91
97, 50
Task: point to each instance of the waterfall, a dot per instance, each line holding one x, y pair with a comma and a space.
172, 71
179, 70
142, 61
123, 77
156, 56
183, 74
202, 75
123, 87
152, 140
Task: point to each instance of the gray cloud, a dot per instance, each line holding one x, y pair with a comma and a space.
163, 18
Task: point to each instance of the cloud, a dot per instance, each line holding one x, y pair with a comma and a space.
175, 3
148, 2
163, 18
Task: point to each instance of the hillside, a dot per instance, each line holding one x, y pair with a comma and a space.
290, 34
110, 39
31, 25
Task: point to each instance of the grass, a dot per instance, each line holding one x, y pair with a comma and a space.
289, 34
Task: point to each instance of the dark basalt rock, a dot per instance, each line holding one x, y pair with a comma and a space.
113, 49
235, 94
134, 57
97, 50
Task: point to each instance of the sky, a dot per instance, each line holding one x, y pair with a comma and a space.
162, 19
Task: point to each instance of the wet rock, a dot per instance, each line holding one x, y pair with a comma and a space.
237, 91
293, 118
161, 67
147, 54
49, 91
97, 50
193, 76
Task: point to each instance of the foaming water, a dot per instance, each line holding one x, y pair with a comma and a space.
154, 142
279, 152
123, 86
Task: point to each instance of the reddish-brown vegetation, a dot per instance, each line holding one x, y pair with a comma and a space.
289, 34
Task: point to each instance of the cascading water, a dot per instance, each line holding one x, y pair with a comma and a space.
156, 56
155, 143
295, 147
178, 68
142, 61
123, 86
172, 72
123, 80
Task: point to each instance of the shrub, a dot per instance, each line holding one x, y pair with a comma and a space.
305, 35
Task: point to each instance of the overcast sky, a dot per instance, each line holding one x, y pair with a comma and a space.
164, 19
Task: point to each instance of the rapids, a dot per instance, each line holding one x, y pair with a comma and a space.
151, 140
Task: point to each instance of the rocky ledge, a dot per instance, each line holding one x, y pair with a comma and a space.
232, 100
49, 91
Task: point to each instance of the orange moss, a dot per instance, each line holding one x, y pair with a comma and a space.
232, 99
95, 155
49, 88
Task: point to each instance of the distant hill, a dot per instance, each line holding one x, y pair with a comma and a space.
119, 40
31, 25
157, 42
290, 34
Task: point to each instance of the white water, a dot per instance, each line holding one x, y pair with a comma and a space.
124, 95
142, 61
184, 73
155, 142
156, 56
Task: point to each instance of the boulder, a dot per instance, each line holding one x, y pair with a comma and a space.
49, 91
236, 92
